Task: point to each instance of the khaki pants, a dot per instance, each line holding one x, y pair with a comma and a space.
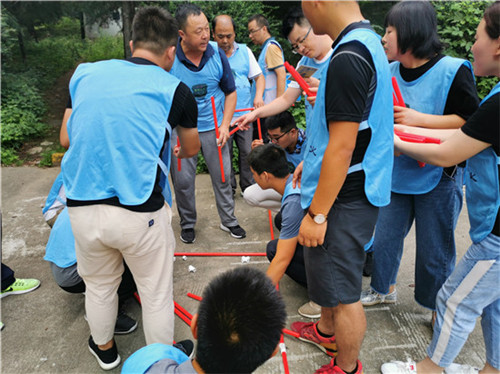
104, 235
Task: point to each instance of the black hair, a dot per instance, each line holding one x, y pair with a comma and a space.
260, 20
214, 22
240, 320
416, 26
270, 158
283, 120
184, 11
154, 29
492, 19
295, 16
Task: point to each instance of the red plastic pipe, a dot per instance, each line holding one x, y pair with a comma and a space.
219, 254
193, 296
270, 214
398, 92
182, 316
183, 311
302, 83
179, 162
217, 136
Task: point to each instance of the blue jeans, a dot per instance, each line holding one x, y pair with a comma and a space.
435, 214
472, 290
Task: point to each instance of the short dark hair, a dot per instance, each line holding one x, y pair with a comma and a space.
260, 20
184, 11
416, 26
154, 29
295, 16
240, 320
283, 120
270, 158
492, 19
214, 22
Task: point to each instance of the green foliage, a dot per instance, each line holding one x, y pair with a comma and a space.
299, 113
103, 48
21, 111
457, 24
47, 155
9, 157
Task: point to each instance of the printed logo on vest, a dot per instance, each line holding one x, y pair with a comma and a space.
151, 223
199, 90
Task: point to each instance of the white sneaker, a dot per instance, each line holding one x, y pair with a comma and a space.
461, 369
370, 297
310, 310
399, 367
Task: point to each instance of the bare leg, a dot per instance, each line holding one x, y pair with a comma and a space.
350, 327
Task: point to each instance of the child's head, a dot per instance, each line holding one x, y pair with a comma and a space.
239, 322
282, 129
270, 159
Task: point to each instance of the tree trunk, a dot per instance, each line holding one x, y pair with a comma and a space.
128, 12
21, 45
82, 25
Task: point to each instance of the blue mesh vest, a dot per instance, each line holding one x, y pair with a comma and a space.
482, 188
270, 76
204, 84
140, 361
116, 130
377, 162
317, 74
427, 94
240, 66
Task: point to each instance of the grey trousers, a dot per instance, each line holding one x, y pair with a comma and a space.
243, 141
184, 181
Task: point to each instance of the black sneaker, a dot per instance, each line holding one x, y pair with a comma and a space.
124, 324
186, 346
236, 231
187, 236
108, 359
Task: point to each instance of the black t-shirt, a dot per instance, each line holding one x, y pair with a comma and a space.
183, 112
350, 89
484, 125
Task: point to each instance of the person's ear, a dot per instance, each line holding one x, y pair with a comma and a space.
275, 350
131, 45
181, 34
194, 326
171, 53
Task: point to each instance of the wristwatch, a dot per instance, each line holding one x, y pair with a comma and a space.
317, 218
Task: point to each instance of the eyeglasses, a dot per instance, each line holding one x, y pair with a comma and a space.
296, 46
272, 139
251, 32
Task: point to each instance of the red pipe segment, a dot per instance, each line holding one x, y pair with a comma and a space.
302, 83
217, 135
219, 254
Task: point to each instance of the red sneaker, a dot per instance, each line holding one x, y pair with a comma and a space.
331, 368
309, 333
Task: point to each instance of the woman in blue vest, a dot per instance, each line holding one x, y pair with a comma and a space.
440, 93
472, 289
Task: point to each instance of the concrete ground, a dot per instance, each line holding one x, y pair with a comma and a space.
45, 331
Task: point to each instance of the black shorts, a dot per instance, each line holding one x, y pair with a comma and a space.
334, 270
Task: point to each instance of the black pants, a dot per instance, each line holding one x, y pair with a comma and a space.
296, 269
125, 290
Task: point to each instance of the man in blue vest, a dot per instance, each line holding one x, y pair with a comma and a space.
316, 51
204, 68
122, 114
245, 68
346, 177
271, 60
